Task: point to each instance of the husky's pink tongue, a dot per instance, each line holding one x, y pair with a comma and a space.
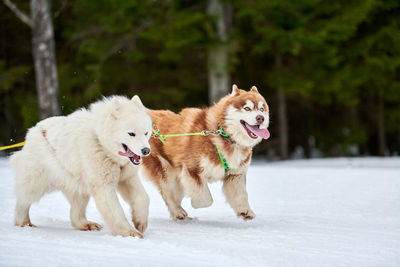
263, 133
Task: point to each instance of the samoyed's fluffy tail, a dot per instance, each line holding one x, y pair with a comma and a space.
15, 159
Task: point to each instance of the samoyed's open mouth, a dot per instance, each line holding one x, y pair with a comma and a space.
135, 159
254, 131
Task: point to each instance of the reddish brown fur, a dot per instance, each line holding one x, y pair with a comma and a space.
190, 150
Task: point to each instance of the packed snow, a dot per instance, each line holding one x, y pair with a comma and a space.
328, 212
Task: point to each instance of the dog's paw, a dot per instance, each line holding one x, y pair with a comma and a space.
90, 226
179, 214
246, 214
202, 200
199, 203
140, 226
23, 224
133, 233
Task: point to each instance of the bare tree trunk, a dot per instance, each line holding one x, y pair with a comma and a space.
218, 74
282, 116
44, 58
381, 128
43, 54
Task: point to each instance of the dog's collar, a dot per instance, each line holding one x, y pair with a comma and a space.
222, 132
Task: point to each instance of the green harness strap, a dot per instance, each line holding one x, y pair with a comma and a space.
223, 160
220, 131
223, 133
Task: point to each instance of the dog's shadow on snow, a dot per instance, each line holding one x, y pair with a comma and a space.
167, 222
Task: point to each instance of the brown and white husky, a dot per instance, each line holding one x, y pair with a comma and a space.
184, 165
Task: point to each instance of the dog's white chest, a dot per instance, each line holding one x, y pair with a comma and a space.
211, 171
235, 159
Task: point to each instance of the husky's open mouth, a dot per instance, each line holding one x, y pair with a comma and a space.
135, 159
254, 131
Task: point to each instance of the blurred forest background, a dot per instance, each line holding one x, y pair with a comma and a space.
330, 70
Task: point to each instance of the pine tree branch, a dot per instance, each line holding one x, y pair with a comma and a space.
20, 14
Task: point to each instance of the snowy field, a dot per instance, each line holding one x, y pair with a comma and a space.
333, 212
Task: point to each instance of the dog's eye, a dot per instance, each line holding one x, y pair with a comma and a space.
262, 109
146, 133
132, 134
247, 108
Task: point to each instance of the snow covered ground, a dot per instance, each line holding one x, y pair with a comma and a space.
330, 212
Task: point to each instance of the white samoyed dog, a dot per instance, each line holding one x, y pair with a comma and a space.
91, 152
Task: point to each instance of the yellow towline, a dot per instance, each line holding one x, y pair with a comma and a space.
11, 146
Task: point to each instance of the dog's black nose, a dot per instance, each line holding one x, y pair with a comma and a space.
145, 151
260, 119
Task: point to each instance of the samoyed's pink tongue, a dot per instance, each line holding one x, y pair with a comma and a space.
263, 133
128, 153
135, 159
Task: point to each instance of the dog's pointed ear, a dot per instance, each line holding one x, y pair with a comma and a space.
116, 105
235, 90
115, 102
136, 100
254, 89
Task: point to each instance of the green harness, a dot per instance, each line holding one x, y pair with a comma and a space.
220, 131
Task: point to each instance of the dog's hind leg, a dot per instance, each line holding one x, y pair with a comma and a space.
26, 195
164, 176
22, 214
78, 212
31, 183
172, 193
132, 191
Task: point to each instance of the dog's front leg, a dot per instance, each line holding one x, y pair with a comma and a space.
201, 198
132, 191
235, 191
103, 181
196, 188
107, 203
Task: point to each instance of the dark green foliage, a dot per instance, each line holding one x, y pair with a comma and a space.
340, 59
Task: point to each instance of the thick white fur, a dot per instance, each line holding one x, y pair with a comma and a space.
78, 154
